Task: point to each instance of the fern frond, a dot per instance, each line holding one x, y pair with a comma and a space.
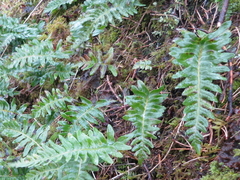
7, 173
68, 171
26, 136
144, 64
58, 70
86, 113
9, 112
96, 16
11, 29
100, 61
79, 170
145, 110
36, 53
200, 56
44, 172
52, 101
5, 90
55, 4
81, 147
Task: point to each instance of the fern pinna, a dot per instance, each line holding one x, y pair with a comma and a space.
145, 110
200, 55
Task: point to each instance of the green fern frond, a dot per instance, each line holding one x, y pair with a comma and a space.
100, 61
44, 172
58, 70
52, 101
55, 4
7, 173
96, 16
145, 110
5, 90
11, 29
5, 73
79, 170
89, 148
36, 53
144, 64
83, 115
200, 56
26, 136
9, 112
72, 170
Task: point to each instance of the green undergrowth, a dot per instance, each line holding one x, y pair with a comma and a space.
220, 172
67, 82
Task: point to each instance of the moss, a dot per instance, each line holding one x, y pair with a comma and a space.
59, 29
109, 36
220, 172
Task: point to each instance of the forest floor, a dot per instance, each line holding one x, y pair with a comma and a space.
149, 35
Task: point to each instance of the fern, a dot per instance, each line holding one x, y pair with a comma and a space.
55, 4
36, 53
83, 115
53, 101
37, 63
47, 172
100, 61
9, 112
79, 147
5, 91
7, 173
11, 29
145, 65
200, 56
96, 16
79, 170
144, 113
47, 74
25, 135
71, 170
59, 70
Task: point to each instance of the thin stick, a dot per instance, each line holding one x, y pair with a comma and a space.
169, 149
122, 174
223, 13
33, 11
109, 84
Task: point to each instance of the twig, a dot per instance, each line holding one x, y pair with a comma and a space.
238, 39
109, 84
214, 17
148, 173
189, 162
223, 13
33, 10
230, 90
122, 174
169, 149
